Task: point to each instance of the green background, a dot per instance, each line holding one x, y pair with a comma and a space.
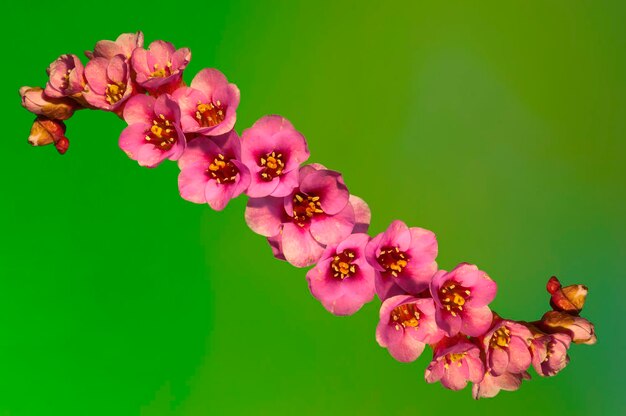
498, 125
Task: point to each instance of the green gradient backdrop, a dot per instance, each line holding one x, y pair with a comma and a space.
500, 127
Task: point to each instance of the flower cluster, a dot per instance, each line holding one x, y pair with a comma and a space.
308, 215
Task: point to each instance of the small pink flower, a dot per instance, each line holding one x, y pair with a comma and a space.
462, 296
109, 84
209, 105
455, 362
66, 77
549, 353
342, 279
160, 66
404, 259
153, 133
506, 348
35, 101
211, 172
491, 385
273, 150
317, 213
124, 45
406, 325
579, 329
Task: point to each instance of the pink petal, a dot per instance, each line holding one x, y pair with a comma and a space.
329, 186
476, 321
208, 80
519, 355
332, 229
132, 139
299, 246
498, 360
95, 72
362, 214
265, 215
192, 182
117, 69
139, 109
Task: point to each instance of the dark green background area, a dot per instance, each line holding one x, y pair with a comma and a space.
498, 125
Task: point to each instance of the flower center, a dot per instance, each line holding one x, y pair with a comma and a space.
453, 296
162, 133
222, 170
114, 92
273, 165
342, 266
454, 358
211, 114
305, 207
161, 72
500, 338
405, 315
393, 260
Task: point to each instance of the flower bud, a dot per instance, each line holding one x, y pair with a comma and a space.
47, 131
570, 299
35, 101
579, 329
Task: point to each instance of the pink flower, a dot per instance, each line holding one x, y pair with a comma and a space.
579, 329
317, 213
404, 259
211, 172
66, 77
455, 362
491, 385
273, 151
35, 101
209, 105
343, 280
109, 82
462, 296
153, 133
549, 353
160, 66
124, 45
406, 325
506, 348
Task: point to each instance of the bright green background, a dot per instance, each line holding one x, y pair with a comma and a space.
498, 125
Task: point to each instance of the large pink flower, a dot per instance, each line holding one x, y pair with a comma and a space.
153, 133
317, 213
491, 385
273, 151
406, 325
549, 353
404, 259
124, 45
109, 84
455, 362
209, 105
66, 77
210, 171
462, 296
343, 280
160, 66
506, 346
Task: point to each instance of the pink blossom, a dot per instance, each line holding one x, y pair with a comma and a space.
35, 101
211, 172
124, 45
153, 133
317, 213
462, 296
406, 325
343, 280
160, 66
404, 259
109, 84
491, 385
455, 362
273, 150
209, 105
579, 329
66, 77
549, 353
506, 347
